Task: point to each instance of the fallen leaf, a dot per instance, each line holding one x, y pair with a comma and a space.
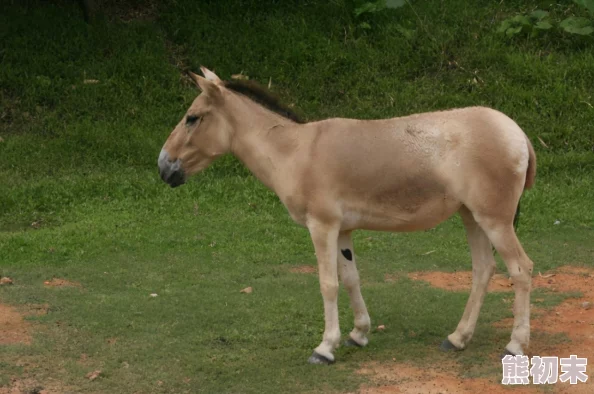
1, 139
381, 327
153, 294
90, 81
93, 375
542, 142
47, 282
247, 290
5, 281
429, 252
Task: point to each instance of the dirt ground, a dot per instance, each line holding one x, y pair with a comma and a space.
574, 317
57, 282
303, 269
14, 329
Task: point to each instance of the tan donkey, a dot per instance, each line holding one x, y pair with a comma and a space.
402, 174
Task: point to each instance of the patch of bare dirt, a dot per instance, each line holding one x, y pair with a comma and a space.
57, 282
304, 269
29, 386
558, 280
13, 329
574, 318
402, 378
459, 281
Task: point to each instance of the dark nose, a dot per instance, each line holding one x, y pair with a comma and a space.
175, 179
171, 171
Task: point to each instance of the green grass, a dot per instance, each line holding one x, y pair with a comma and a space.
79, 161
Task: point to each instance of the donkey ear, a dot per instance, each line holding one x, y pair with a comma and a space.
210, 75
204, 84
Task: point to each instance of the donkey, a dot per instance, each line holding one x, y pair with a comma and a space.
401, 174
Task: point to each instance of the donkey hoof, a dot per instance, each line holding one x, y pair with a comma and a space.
317, 358
447, 346
507, 353
352, 343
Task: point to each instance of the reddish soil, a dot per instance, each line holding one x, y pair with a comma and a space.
459, 281
406, 379
13, 329
57, 282
27, 386
574, 317
304, 269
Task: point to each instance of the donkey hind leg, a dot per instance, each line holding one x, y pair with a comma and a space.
519, 266
483, 266
325, 239
350, 278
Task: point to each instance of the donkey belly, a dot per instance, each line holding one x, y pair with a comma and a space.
407, 209
395, 218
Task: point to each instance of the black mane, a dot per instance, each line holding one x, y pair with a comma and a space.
258, 94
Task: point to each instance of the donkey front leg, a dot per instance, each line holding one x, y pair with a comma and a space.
350, 278
325, 238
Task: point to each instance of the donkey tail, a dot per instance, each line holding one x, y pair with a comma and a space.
531, 171
530, 175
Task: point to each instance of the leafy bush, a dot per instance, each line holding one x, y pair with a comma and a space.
522, 23
539, 20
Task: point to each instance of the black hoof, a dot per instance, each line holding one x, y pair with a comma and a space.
447, 346
507, 353
351, 343
317, 358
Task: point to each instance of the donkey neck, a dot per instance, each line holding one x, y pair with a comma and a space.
265, 142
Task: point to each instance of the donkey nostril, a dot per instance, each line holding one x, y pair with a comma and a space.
163, 175
176, 178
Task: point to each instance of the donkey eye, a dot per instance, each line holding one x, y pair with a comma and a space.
191, 119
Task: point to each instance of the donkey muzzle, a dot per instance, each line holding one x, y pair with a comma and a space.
171, 171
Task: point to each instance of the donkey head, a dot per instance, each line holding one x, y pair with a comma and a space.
202, 135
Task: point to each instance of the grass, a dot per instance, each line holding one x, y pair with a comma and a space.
79, 161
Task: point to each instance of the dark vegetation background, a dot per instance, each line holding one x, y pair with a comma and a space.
86, 107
